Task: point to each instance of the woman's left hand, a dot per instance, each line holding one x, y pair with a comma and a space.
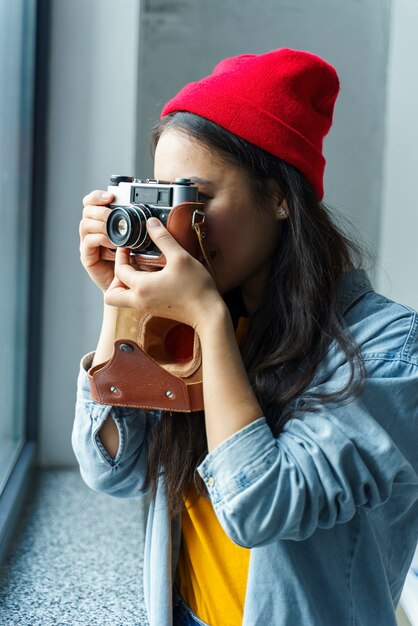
183, 290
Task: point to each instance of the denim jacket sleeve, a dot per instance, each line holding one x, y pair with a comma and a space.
123, 475
324, 464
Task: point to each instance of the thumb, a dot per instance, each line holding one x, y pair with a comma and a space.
161, 237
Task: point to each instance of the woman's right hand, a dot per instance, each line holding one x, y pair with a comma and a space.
94, 240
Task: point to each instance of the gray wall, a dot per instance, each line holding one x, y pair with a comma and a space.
397, 266
91, 133
101, 98
182, 41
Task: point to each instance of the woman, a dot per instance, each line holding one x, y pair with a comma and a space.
293, 500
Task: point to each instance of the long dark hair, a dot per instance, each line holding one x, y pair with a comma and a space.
290, 332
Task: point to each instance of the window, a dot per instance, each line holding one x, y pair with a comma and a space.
17, 89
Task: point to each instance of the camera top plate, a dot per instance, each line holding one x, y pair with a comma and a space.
128, 190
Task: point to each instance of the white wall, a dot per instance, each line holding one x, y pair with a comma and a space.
100, 96
397, 269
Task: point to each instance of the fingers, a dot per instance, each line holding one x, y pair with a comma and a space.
120, 292
93, 222
96, 212
98, 196
131, 287
119, 296
88, 225
162, 238
123, 268
94, 242
90, 247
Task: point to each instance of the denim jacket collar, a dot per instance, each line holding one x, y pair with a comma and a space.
351, 288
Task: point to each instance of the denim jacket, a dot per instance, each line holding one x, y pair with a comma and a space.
329, 507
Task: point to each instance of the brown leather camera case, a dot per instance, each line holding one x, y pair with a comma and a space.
156, 362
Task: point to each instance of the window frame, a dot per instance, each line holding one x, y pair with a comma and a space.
22, 475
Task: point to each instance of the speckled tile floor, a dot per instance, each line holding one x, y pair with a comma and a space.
75, 559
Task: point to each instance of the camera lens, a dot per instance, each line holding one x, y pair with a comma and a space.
126, 226
122, 226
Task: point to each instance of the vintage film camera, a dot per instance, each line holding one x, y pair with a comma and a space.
161, 354
135, 201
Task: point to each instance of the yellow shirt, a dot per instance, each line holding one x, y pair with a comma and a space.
212, 570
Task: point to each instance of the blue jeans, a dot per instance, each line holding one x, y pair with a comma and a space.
182, 615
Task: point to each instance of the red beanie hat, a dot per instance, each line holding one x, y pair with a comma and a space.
281, 101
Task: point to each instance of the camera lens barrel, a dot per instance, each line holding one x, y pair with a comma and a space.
126, 226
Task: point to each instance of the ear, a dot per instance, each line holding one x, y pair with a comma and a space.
282, 210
